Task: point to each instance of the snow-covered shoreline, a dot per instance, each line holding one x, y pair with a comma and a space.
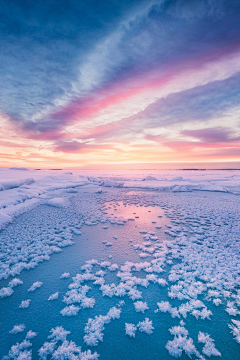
22, 190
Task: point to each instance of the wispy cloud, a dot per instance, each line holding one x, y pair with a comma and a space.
98, 78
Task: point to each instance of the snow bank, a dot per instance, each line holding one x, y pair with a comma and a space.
11, 184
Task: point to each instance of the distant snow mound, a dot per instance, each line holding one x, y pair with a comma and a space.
177, 178
57, 202
18, 168
111, 183
198, 187
6, 185
149, 178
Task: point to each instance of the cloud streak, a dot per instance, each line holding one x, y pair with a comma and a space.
160, 76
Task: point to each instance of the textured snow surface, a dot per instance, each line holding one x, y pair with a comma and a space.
166, 265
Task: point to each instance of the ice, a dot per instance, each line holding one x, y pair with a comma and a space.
181, 343
25, 304
143, 255
209, 348
58, 202
35, 286
105, 264
19, 351
146, 326
149, 178
6, 291
134, 294
130, 329
78, 295
162, 282
178, 330
140, 306
19, 192
17, 328
15, 282
100, 272
231, 309
153, 278
58, 334
95, 327
6, 185
107, 290
4, 220
217, 301
65, 275
113, 267
53, 296
197, 256
31, 334
46, 349
235, 329
87, 302
66, 350
110, 183
71, 310
164, 306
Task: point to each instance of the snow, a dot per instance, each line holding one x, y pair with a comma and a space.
111, 183
31, 334
181, 343
65, 275
19, 351
140, 306
195, 248
35, 286
209, 348
4, 220
164, 306
71, 310
95, 327
149, 178
53, 296
25, 304
146, 326
130, 329
17, 328
58, 334
235, 329
6, 291
65, 350
15, 282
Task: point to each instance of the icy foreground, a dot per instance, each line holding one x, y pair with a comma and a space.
166, 255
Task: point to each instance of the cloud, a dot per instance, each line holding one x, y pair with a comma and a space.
213, 135
88, 80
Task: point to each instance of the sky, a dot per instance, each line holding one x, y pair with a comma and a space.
120, 83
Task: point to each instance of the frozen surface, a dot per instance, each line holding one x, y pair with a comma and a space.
100, 265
